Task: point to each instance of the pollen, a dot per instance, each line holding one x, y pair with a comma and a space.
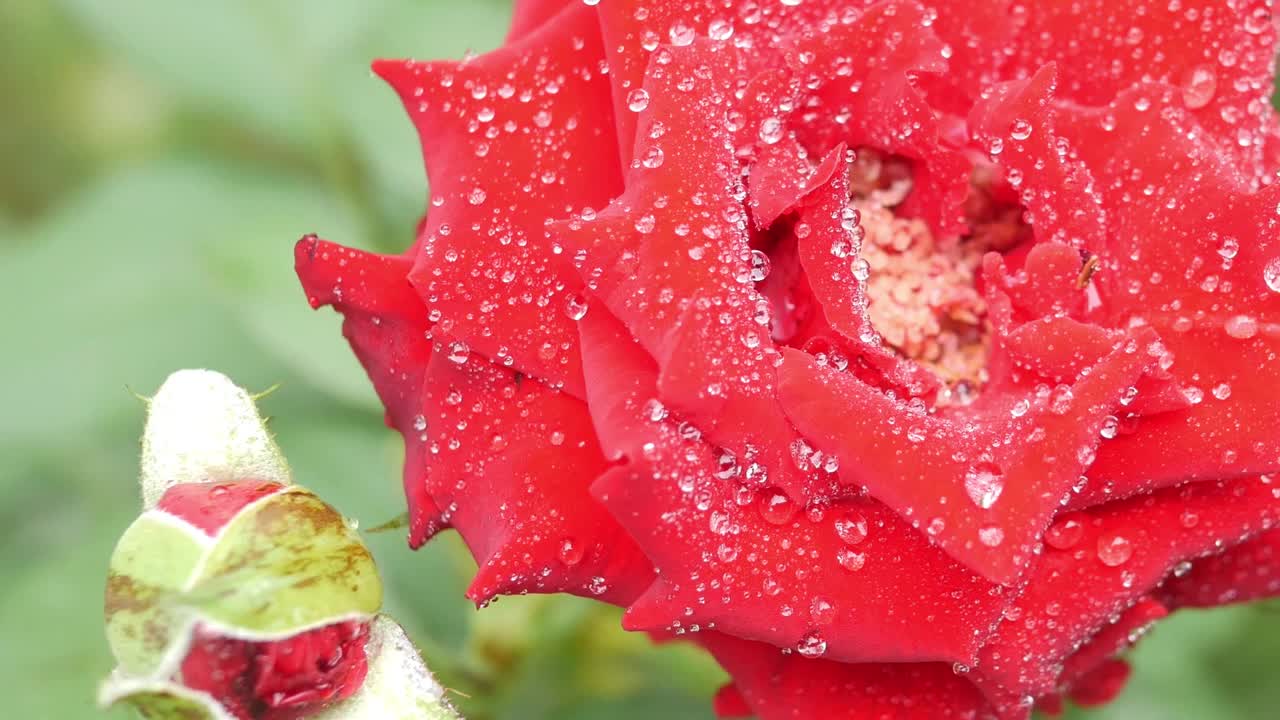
921, 291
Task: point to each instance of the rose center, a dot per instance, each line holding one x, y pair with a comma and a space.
921, 291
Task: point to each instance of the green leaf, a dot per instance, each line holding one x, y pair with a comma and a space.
161, 700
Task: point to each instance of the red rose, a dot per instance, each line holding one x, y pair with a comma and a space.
912, 362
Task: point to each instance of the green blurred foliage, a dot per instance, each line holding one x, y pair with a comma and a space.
157, 161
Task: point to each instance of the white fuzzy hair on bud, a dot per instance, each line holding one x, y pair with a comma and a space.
201, 427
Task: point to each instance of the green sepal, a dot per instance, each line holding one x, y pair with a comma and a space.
152, 564
161, 700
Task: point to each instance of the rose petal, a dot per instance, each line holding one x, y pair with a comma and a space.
511, 461
386, 324
511, 140
983, 485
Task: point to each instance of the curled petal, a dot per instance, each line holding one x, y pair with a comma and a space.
387, 327
511, 140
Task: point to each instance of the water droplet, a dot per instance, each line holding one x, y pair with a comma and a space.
1198, 86
645, 224
851, 528
776, 507
681, 34
727, 553
597, 586
419, 423
861, 269
720, 30
991, 536
570, 552
812, 645
1020, 129
771, 131
1064, 534
821, 611
1241, 327
850, 560
1114, 550
575, 306
477, 196
760, 266
638, 100
458, 352
1271, 274
983, 483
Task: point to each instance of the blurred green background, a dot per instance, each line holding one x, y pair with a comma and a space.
157, 161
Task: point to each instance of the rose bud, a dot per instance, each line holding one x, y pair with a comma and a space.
237, 597
905, 359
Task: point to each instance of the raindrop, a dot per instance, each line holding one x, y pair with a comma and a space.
821, 611
1271, 274
681, 34
771, 131
983, 483
861, 270
570, 552
850, 560
638, 100
991, 536
852, 528
419, 423
812, 645
759, 266
1020, 129
477, 196
575, 306
720, 30
1198, 86
1064, 534
645, 224
458, 352
1241, 327
776, 507
1114, 550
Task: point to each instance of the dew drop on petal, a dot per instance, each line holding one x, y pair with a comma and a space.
458, 352
1064, 534
638, 100
812, 645
821, 611
1114, 550
771, 131
1241, 327
1198, 86
775, 507
1271, 274
991, 536
575, 306
851, 528
570, 552
850, 560
983, 483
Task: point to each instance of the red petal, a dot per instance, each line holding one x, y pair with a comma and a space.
511, 140
1190, 253
1101, 685
1248, 571
1097, 564
1220, 55
210, 506
826, 246
632, 36
984, 485
753, 563
862, 96
787, 687
387, 327
1015, 124
671, 260
511, 460
529, 15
